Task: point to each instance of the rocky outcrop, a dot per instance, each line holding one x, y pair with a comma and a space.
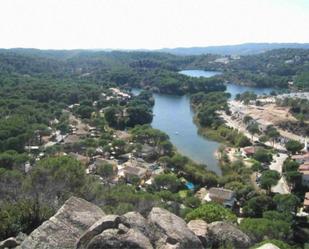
161, 229
115, 238
222, 233
82, 225
199, 228
174, 229
13, 242
65, 228
9, 243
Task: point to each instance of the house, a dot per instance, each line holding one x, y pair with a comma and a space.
302, 158
71, 139
83, 159
223, 196
304, 170
32, 148
124, 135
147, 152
101, 160
306, 202
81, 131
130, 172
249, 151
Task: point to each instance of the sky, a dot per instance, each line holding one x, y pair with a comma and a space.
150, 24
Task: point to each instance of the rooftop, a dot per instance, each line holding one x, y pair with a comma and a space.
303, 167
301, 157
138, 171
249, 150
221, 193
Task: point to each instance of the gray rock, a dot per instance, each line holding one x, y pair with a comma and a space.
222, 233
107, 222
65, 227
268, 246
21, 237
199, 228
111, 239
9, 243
122, 229
174, 228
137, 221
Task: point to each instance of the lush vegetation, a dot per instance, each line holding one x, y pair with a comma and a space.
211, 212
206, 107
42, 91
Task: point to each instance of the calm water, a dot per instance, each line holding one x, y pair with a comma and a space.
233, 89
199, 73
173, 115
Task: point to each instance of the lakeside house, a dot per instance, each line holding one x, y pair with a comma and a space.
120, 94
222, 196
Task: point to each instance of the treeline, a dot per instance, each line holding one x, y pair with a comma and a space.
160, 70
298, 107
274, 68
206, 107
29, 104
137, 111
155, 71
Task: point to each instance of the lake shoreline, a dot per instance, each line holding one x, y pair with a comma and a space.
174, 115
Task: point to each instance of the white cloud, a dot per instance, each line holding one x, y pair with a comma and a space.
150, 23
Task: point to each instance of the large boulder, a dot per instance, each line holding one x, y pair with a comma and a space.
65, 228
174, 230
107, 222
9, 243
199, 228
225, 234
116, 239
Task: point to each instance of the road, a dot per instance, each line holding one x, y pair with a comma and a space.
282, 186
238, 125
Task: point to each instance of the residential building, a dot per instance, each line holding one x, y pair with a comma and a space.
223, 196
249, 151
83, 159
130, 172
301, 158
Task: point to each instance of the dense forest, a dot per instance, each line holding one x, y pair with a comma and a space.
159, 71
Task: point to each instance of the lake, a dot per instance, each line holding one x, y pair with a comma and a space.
232, 88
173, 115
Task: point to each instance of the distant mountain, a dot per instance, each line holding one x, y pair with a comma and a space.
241, 49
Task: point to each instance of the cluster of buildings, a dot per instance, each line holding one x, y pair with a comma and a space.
116, 94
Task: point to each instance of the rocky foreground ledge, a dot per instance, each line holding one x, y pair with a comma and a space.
82, 225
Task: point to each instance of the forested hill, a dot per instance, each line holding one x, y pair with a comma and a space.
156, 71
159, 71
241, 49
